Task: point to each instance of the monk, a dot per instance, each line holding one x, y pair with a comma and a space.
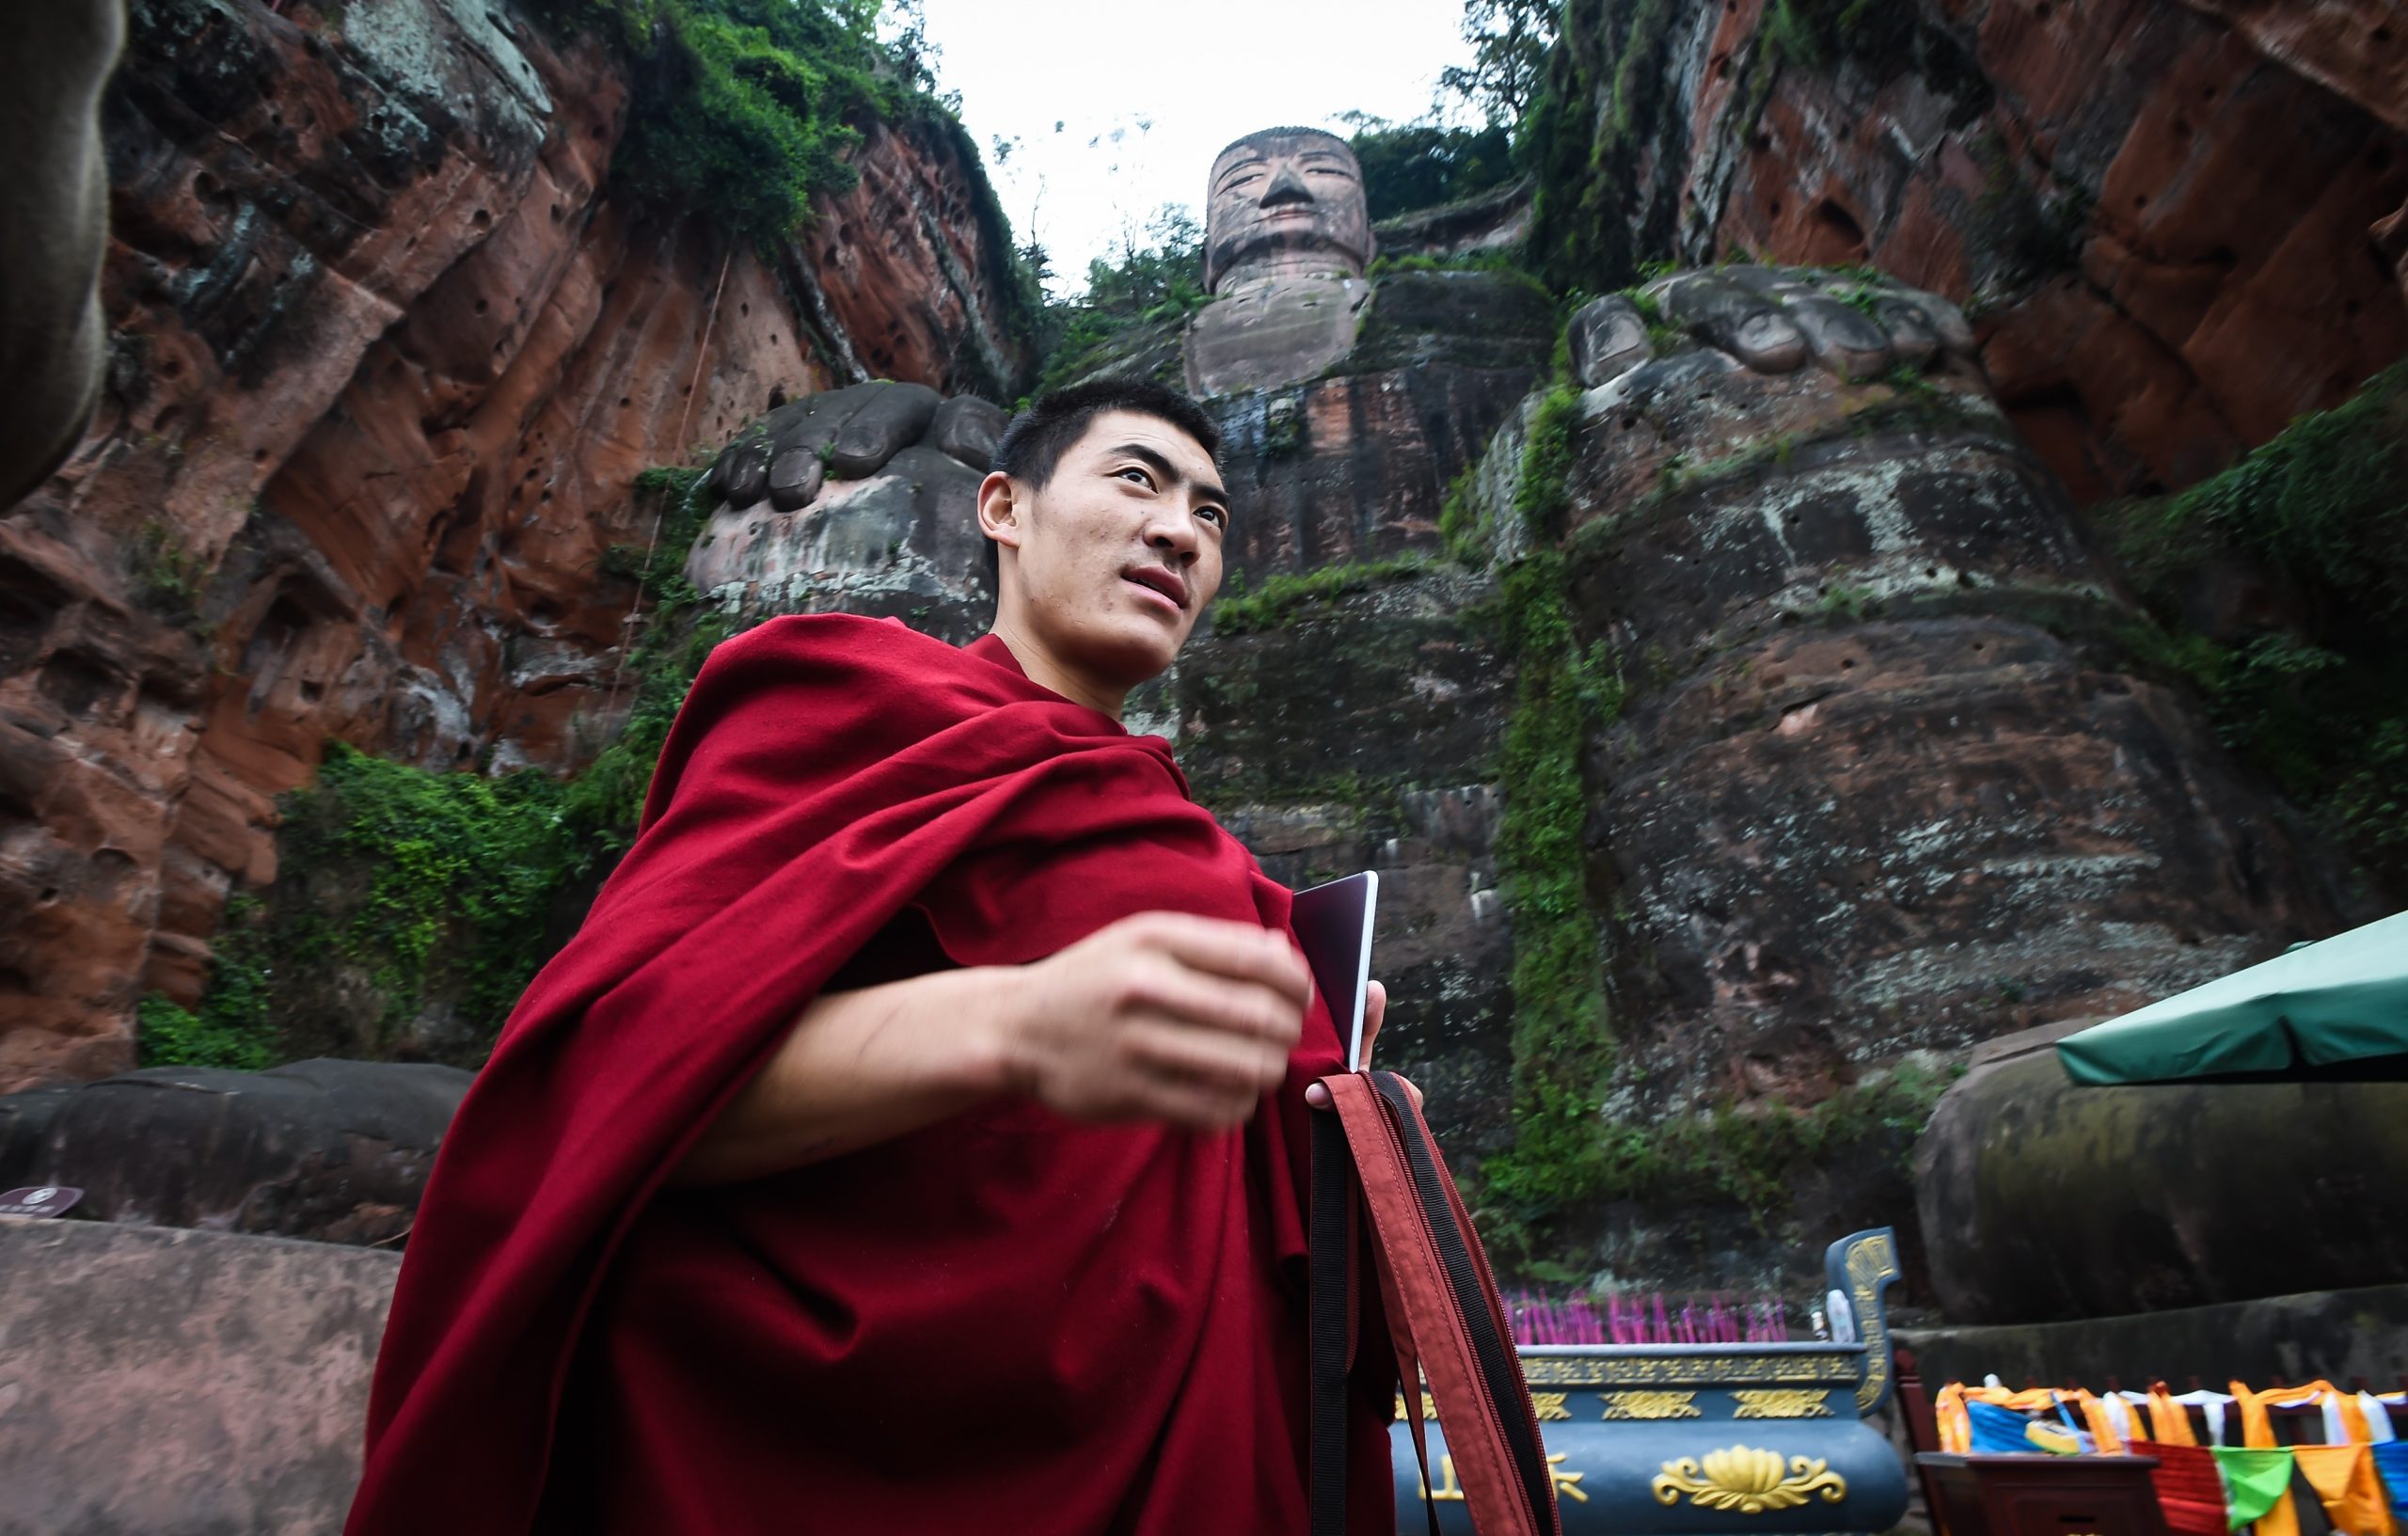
913, 1137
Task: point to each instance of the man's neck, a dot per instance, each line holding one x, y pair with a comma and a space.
1045, 672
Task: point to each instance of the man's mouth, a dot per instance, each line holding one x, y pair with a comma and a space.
1160, 578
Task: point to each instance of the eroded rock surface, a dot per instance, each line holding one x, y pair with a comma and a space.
2165, 212
2048, 1201
1891, 775
337, 1151
160, 1381
388, 358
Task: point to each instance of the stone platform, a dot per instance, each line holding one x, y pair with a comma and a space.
195, 1382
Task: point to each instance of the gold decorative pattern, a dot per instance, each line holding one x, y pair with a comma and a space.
1747, 1480
1565, 1481
1448, 1491
1872, 1264
1429, 1407
1781, 1403
1545, 1406
1835, 1367
1649, 1405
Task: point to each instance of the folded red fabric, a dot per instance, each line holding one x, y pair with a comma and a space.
1004, 1321
2188, 1488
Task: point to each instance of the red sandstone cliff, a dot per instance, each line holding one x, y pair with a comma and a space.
2175, 222
388, 355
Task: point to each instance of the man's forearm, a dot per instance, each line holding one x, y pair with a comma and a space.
860, 1067
1166, 1017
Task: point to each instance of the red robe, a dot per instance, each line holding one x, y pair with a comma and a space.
1004, 1321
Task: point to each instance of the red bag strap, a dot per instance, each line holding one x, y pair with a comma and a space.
1443, 1306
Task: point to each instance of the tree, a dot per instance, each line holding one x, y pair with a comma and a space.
1508, 40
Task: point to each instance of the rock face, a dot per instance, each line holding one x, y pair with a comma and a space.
183, 1381
1887, 774
337, 1151
388, 358
2172, 249
1890, 776
1361, 733
2046, 1202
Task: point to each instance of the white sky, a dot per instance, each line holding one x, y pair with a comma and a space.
1147, 94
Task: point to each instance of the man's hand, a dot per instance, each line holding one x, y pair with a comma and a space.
1162, 1016
1375, 1010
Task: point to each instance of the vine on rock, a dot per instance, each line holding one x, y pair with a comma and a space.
1562, 1047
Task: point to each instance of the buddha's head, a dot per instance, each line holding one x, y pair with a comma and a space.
1285, 203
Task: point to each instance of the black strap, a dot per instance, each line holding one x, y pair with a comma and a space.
1501, 1377
1327, 1263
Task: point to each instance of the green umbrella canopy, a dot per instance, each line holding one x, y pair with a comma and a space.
2335, 1009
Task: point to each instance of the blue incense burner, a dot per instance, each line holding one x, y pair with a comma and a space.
1707, 1440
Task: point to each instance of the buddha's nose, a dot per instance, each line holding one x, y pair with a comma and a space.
1285, 188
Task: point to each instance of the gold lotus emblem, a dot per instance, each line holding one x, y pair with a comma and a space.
1748, 1480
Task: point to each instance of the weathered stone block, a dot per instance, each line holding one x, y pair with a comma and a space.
335, 1150
166, 1384
2043, 1201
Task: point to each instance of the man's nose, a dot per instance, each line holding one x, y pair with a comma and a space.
1285, 188
1175, 538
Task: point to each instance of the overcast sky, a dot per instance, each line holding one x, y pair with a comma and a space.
1146, 94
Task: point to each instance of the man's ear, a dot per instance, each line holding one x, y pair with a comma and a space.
1002, 512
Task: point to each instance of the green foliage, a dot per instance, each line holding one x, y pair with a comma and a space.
1412, 166
740, 106
460, 872
2320, 503
2314, 693
1240, 611
230, 1026
1748, 1158
1158, 280
404, 896
1485, 260
1850, 604
1464, 532
167, 577
1509, 42
1541, 495
1561, 1046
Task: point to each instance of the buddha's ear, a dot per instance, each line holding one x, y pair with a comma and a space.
1003, 508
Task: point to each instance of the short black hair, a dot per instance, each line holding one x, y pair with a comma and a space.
1037, 438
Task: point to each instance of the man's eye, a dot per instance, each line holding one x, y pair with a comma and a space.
1142, 478
1218, 514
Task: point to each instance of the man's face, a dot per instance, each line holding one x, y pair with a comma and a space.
1286, 201
1121, 549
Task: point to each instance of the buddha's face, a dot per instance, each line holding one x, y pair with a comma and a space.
1284, 203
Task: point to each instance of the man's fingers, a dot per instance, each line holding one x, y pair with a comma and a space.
1375, 1009
1240, 951
1247, 1008
1170, 1051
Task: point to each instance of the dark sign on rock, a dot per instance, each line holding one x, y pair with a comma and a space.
38, 1200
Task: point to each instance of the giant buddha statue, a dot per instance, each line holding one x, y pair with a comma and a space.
1287, 235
